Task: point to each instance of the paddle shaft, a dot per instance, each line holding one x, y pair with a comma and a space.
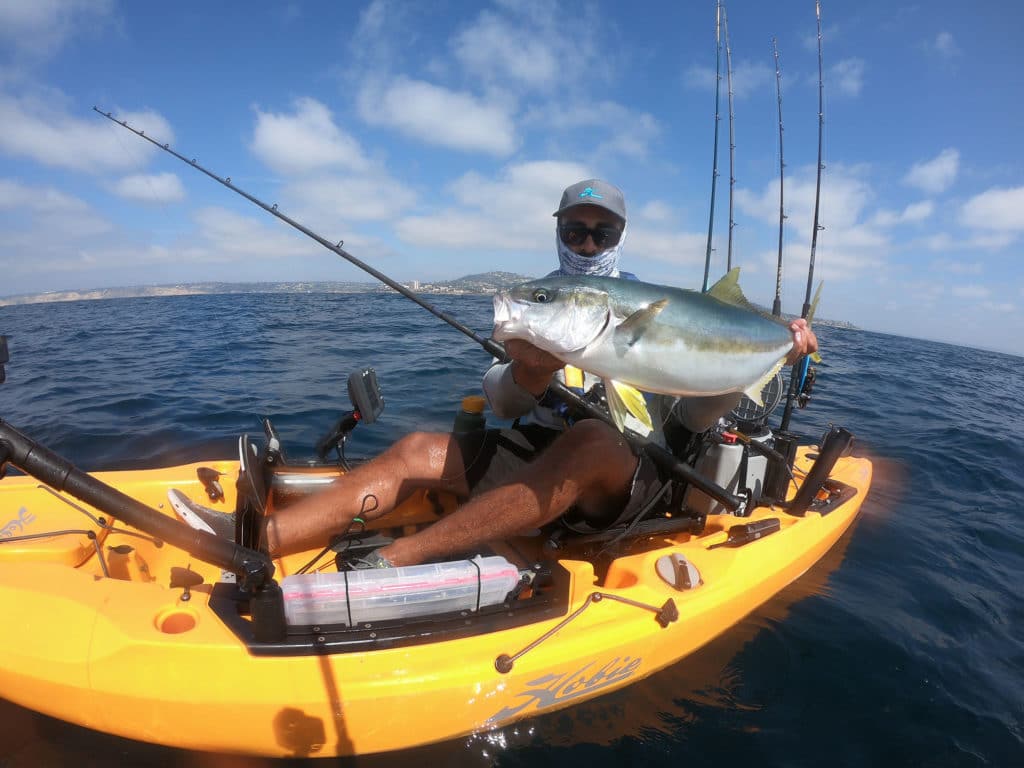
255, 568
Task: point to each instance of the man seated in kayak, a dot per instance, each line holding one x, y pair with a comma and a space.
517, 479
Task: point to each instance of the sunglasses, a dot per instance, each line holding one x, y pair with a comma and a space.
603, 235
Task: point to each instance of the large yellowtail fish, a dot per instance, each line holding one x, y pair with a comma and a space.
649, 337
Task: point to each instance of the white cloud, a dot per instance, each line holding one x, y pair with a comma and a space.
155, 188
848, 76
957, 267
40, 130
615, 129
844, 197
453, 228
918, 211
829, 34
438, 115
1002, 307
496, 49
533, 187
15, 195
40, 27
848, 247
997, 209
656, 210
673, 247
46, 210
990, 241
334, 199
944, 45
935, 175
913, 213
530, 189
524, 46
230, 236
304, 141
970, 291
747, 78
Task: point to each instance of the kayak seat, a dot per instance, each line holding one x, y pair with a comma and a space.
29, 512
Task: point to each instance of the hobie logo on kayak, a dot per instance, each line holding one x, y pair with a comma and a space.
550, 690
17, 525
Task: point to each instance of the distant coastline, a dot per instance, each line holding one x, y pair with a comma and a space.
483, 284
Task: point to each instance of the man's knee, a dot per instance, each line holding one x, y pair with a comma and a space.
426, 456
592, 447
420, 443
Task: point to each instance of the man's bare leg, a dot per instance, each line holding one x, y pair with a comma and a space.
371, 490
590, 465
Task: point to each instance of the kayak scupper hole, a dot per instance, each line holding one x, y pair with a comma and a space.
175, 621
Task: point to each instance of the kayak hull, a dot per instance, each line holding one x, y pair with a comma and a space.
108, 643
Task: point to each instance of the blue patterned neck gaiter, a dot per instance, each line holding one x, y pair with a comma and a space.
603, 264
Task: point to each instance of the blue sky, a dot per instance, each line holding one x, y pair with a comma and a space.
435, 139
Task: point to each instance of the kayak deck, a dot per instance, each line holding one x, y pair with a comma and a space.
108, 636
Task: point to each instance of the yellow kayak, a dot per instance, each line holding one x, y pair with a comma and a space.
112, 624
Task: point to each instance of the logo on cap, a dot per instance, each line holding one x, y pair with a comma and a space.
589, 192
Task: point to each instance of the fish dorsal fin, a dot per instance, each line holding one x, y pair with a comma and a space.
727, 290
624, 399
634, 326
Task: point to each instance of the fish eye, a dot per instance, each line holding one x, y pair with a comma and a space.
542, 296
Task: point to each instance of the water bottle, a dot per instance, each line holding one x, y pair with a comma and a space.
471, 415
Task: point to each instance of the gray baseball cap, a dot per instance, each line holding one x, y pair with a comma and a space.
593, 192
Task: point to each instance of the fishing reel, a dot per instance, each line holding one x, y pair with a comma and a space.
810, 375
751, 417
5, 357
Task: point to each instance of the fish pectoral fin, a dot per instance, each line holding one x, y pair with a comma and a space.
754, 390
634, 326
624, 399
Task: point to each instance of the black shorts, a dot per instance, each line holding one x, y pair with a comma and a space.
493, 456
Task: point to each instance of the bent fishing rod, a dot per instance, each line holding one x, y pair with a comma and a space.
662, 456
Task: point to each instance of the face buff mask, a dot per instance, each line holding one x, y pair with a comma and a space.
602, 264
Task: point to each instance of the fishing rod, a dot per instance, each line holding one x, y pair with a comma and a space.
714, 164
821, 166
777, 304
662, 456
732, 133
490, 345
801, 371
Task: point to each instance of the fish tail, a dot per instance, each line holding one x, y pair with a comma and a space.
810, 315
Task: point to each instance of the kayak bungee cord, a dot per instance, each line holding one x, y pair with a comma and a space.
662, 456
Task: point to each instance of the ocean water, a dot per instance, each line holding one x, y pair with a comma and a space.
904, 646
